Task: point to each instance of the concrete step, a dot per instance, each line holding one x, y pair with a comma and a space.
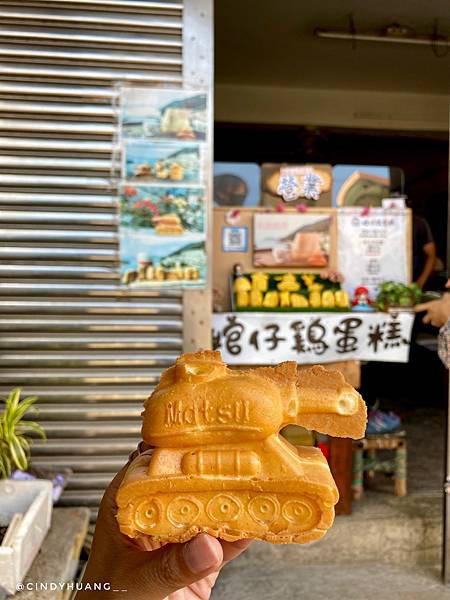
382, 528
371, 581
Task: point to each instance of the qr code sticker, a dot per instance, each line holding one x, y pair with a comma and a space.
234, 239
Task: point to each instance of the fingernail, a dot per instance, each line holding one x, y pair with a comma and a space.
202, 553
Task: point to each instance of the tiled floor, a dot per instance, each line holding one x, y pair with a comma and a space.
425, 434
389, 548
353, 582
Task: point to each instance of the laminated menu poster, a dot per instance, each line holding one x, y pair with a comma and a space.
164, 138
164, 162
372, 247
162, 236
158, 114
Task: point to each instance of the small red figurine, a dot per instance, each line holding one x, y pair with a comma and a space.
361, 300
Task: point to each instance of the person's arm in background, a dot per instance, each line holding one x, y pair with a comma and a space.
437, 311
438, 315
444, 344
429, 249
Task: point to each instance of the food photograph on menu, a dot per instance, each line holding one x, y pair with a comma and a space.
164, 162
162, 237
291, 240
164, 114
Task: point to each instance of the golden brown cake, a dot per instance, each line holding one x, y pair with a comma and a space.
169, 224
220, 466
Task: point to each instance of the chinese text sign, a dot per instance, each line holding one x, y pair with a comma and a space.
308, 338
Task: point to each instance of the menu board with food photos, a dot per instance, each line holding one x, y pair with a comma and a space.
163, 195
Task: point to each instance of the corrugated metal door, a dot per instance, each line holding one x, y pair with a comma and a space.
90, 351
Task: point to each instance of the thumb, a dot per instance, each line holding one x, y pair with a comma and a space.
176, 566
424, 306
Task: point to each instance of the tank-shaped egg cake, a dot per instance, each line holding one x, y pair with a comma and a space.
219, 464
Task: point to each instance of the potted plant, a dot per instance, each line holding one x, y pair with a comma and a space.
25, 506
398, 296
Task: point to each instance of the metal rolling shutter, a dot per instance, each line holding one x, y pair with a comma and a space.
90, 351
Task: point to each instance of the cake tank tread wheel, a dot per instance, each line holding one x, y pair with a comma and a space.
278, 518
183, 510
148, 513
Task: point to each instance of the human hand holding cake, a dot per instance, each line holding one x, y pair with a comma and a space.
142, 569
220, 466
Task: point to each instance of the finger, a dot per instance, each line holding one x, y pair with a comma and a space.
233, 549
115, 483
175, 566
141, 447
421, 307
140, 459
427, 318
147, 544
230, 549
108, 506
202, 588
108, 502
178, 595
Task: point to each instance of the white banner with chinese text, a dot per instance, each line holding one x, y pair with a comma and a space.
308, 338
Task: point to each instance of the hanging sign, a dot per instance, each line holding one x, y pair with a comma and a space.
261, 338
299, 181
372, 247
163, 194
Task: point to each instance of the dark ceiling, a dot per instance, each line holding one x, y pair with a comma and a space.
263, 42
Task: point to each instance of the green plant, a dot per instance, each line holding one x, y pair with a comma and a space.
15, 445
392, 293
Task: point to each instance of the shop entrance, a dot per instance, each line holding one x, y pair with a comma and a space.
286, 97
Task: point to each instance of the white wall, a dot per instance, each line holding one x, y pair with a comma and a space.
340, 108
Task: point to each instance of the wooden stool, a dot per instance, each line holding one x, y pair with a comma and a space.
365, 460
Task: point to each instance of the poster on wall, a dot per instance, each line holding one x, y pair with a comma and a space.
163, 193
291, 240
158, 114
162, 236
372, 247
365, 185
237, 184
170, 162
